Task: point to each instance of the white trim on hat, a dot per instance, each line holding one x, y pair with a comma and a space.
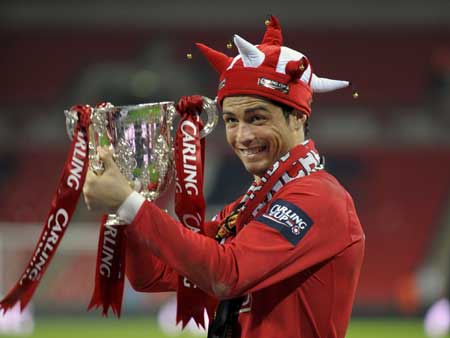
287, 54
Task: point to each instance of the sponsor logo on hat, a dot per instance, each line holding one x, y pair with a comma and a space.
272, 84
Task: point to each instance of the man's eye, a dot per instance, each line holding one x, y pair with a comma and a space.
229, 120
257, 118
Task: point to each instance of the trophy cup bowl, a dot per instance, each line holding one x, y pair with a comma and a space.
141, 139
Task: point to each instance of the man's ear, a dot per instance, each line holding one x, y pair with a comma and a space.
298, 120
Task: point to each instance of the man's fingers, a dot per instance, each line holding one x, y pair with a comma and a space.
106, 156
107, 191
86, 188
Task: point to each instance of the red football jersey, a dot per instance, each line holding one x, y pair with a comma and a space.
298, 262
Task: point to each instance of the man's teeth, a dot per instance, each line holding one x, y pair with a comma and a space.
252, 151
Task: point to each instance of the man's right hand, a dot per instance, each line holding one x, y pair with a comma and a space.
106, 192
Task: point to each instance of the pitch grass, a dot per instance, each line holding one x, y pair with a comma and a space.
49, 327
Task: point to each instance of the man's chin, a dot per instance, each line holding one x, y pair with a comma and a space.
256, 169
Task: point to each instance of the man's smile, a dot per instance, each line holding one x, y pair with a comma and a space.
250, 152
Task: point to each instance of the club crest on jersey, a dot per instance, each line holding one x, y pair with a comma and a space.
291, 221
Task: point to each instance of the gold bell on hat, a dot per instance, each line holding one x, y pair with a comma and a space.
355, 93
189, 56
229, 45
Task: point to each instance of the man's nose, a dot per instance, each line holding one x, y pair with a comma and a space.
245, 133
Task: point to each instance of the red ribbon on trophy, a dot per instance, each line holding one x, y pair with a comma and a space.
190, 202
110, 268
61, 210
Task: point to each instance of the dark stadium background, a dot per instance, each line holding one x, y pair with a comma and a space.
390, 148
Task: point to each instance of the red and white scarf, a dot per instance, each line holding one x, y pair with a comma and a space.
300, 161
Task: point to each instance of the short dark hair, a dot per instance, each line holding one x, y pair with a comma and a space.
287, 111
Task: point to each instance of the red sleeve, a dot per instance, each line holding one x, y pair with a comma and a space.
145, 271
261, 254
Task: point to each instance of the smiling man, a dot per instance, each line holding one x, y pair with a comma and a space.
284, 260
259, 132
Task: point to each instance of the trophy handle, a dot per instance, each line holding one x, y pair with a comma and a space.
94, 159
71, 122
212, 112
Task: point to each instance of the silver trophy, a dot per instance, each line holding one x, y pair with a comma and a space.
141, 139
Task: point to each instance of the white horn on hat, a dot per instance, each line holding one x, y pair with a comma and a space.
323, 85
251, 56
